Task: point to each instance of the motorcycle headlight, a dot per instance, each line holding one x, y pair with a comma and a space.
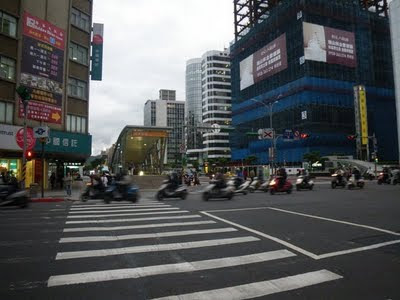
272, 182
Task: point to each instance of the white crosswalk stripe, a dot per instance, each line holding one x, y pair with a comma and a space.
118, 274
101, 232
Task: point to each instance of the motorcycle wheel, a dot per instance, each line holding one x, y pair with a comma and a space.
272, 191
333, 185
230, 196
107, 199
349, 187
311, 187
251, 190
297, 188
244, 192
289, 191
379, 181
159, 196
183, 195
394, 181
206, 196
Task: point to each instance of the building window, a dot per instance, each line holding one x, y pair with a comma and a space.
76, 124
6, 112
7, 68
8, 24
80, 19
77, 88
78, 53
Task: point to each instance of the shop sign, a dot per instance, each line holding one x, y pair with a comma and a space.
12, 138
66, 142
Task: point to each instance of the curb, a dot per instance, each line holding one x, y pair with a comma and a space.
43, 200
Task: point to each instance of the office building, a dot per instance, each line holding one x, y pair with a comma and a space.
303, 59
168, 113
216, 103
45, 46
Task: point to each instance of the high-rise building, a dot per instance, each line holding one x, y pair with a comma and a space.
216, 103
193, 114
168, 113
298, 62
167, 95
45, 46
394, 15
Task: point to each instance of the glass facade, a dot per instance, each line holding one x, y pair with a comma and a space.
313, 96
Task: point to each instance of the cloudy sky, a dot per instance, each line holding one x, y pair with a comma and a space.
146, 45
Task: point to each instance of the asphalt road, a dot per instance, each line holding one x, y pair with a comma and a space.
320, 244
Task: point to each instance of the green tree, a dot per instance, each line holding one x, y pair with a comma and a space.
195, 164
312, 157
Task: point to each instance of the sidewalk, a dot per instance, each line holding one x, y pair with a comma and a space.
56, 196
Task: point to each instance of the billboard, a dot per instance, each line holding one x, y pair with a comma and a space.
42, 69
97, 49
264, 63
329, 45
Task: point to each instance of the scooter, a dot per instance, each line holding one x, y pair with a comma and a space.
92, 192
166, 192
302, 185
11, 196
255, 185
244, 187
118, 192
355, 183
265, 186
274, 187
212, 191
336, 181
382, 179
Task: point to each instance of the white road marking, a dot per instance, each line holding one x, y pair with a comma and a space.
131, 273
115, 205
79, 209
270, 237
128, 214
85, 229
261, 288
238, 209
133, 220
154, 248
336, 221
365, 248
83, 239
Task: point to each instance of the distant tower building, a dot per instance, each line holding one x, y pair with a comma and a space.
168, 113
216, 102
193, 116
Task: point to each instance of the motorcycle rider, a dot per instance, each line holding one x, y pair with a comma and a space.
339, 173
306, 176
220, 182
282, 176
173, 181
386, 174
357, 174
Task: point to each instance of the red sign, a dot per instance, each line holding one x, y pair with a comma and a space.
30, 138
44, 31
42, 112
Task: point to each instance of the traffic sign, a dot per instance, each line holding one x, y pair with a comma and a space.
41, 132
296, 135
182, 148
265, 134
288, 135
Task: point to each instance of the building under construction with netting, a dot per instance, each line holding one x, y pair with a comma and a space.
295, 65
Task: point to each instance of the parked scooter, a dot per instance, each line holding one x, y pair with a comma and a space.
275, 187
302, 184
213, 191
353, 183
338, 181
120, 192
167, 191
10, 195
255, 185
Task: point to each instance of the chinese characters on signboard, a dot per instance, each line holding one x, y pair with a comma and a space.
97, 48
42, 69
264, 63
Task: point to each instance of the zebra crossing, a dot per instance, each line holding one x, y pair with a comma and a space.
118, 230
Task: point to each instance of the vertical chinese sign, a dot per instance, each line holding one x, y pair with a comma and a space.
42, 69
97, 51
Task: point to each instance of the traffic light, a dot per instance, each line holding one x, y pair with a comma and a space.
304, 135
29, 155
351, 137
24, 93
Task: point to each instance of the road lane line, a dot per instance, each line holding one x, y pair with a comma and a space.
83, 239
270, 237
336, 221
132, 220
116, 205
153, 248
128, 214
120, 210
132, 273
365, 248
238, 209
88, 229
261, 288
116, 208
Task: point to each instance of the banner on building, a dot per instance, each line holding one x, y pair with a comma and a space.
12, 137
329, 45
97, 51
264, 63
363, 116
42, 69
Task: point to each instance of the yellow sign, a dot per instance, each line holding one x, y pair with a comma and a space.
149, 134
363, 117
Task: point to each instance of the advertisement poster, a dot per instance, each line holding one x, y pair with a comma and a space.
264, 63
329, 45
43, 46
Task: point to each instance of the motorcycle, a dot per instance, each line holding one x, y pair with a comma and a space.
118, 192
165, 191
255, 185
338, 181
264, 186
275, 187
384, 179
11, 196
244, 187
302, 185
212, 191
92, 192
353, 182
